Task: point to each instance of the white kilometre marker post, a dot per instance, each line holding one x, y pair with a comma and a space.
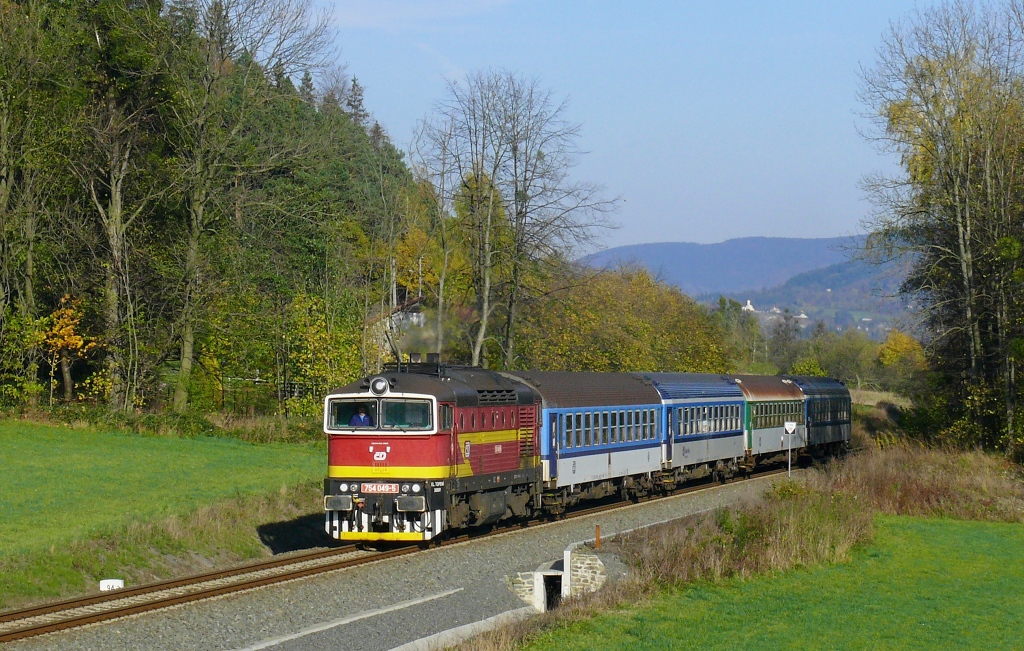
790, 428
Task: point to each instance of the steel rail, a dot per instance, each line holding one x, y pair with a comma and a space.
243, 584
116, 595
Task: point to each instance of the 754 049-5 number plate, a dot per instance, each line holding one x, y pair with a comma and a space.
380, 488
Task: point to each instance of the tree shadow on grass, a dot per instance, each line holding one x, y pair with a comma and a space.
299, 534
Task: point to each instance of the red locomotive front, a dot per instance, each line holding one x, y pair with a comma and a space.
411, 454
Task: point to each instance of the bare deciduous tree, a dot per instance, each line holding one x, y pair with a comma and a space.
501, 148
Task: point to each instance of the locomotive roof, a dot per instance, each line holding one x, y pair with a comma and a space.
569, 389
759, 388
682, 386
820, 386
465, 386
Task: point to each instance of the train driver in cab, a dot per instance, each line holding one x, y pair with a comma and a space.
361, 418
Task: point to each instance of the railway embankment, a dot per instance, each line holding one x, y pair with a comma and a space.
383, 605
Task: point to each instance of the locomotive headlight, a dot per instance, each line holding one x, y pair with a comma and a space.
405, 488
415, 488
378, 386
355, 488
343, 487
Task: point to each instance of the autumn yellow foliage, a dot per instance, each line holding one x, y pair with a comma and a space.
622, 320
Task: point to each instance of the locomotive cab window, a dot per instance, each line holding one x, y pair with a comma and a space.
345, 414
405, 414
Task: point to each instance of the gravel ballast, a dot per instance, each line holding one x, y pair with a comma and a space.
449, 587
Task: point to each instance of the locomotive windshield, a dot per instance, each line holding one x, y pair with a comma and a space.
380, 414
405, 414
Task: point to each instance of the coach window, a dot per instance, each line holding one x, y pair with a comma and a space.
654, 424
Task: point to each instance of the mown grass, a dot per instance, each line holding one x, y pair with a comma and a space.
77, 505
924, 583
750, 561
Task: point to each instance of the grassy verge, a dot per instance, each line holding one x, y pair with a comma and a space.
749, 562
902, 592
77, 505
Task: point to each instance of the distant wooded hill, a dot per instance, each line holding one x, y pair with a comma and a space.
815, 276
746, 263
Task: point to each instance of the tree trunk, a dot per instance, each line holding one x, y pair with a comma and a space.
440, 303
189, 309
65, 372
29, 298
483, 298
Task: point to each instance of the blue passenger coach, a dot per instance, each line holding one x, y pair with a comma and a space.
596, 426
704, 416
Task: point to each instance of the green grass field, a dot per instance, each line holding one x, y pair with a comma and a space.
59, 484
923, 584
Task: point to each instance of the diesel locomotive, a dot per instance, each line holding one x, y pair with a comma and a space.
420, 450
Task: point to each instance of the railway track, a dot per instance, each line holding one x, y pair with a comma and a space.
91, 609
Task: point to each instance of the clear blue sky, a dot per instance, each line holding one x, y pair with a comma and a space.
712, 120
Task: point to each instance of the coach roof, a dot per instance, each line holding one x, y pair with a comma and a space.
820, 386
689, 386
566, 389
760, 388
